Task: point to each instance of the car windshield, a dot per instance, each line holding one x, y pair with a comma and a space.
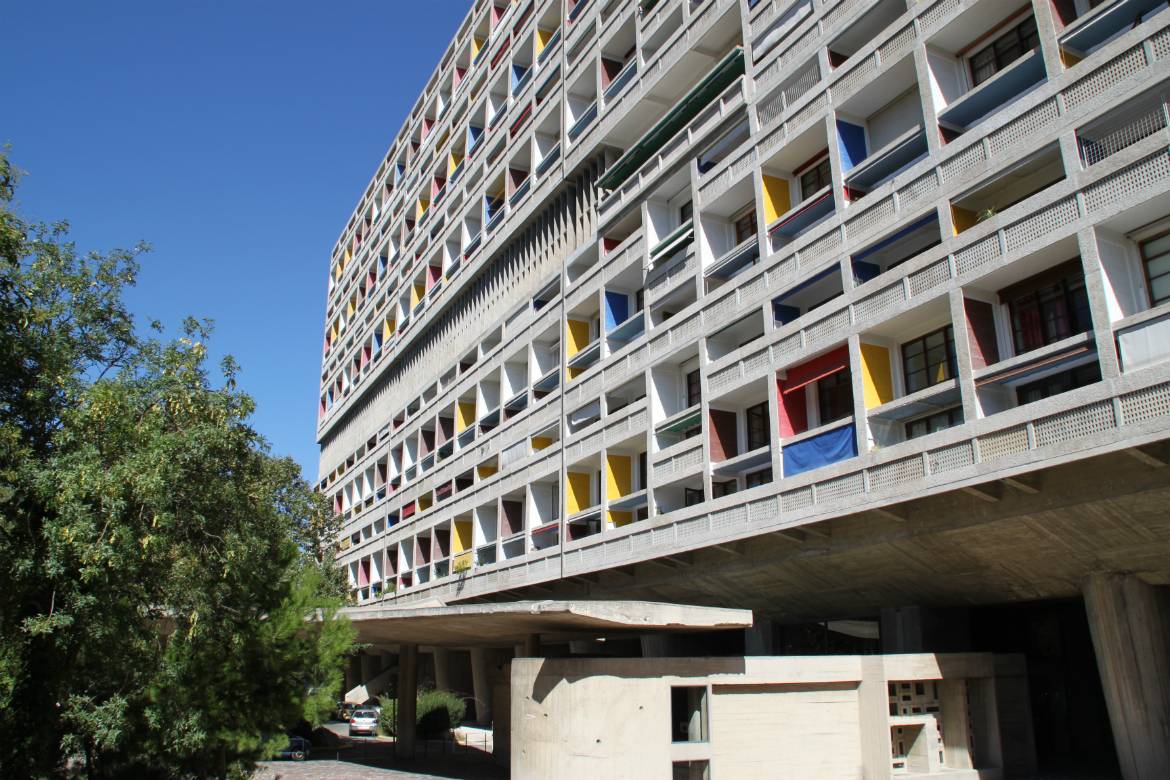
364, 714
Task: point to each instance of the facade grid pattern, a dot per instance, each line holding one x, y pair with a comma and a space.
551, 333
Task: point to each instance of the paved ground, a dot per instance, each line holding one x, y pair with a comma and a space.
366, 758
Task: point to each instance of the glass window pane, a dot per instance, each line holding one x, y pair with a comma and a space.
1158, 264
1156, 246
1160, 288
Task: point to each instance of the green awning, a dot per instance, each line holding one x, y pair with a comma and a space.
718, 79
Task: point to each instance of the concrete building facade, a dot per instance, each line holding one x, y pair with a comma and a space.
852, 313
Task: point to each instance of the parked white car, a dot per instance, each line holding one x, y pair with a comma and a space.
363, 721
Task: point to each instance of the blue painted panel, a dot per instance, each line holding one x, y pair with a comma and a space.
617, 309
851, 140
829, 447
863, 272
784, 314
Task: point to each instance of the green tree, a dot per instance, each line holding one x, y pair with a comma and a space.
168, 604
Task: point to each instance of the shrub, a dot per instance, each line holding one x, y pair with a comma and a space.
388, 720
436, 712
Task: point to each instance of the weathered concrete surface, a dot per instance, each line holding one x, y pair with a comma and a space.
1129, 629
513, 623
789, 716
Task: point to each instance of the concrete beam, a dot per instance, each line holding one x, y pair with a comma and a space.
507, 624
1143, 456
1024, 483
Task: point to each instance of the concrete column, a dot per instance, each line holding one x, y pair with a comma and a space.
368, 668
407, 693
760, 639
1129, 632
481, 687
353, 673
915, 629
442, 669
530, 647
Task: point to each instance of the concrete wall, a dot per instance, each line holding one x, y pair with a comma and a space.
794, 716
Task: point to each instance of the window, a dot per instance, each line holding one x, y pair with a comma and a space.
757, 426
721, 489
685, 212
815, 178
929, 359
694, 388
688, 713
1004, 50
1048, 307
692, 496
642, 470
690, 770
1156, 259
757, 478
1059, 383
932, 423
834, 397
745, 226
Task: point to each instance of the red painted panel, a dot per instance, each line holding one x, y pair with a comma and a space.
981, 331
817, 368
723, 438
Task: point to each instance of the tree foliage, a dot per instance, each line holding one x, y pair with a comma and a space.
159, 568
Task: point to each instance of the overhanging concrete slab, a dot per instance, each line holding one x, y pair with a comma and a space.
511, 622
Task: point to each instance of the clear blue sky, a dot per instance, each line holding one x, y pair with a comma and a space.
235, 137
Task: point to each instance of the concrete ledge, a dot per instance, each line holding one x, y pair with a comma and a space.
512, 622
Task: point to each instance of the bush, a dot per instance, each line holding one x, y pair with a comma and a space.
388, 720
436, 712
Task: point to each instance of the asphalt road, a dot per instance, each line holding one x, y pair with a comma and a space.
372, 758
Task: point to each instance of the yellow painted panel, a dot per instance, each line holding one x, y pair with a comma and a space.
579, 498
387, 330
875, 375
425, 501
461, 538
415, 295
618, 519
540, 442
485, 470
1068, 59
476, 45
350, 308
464, 415
575, 372
453, 163
963, 218
578, 336
777, 198
542, 38
422, 207
618, 480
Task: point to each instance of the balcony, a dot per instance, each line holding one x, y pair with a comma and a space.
583, 121
1101, 25
621, 80
815, 208
1122, 128
730, 68
1004, 87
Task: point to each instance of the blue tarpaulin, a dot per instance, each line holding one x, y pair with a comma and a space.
820, 450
